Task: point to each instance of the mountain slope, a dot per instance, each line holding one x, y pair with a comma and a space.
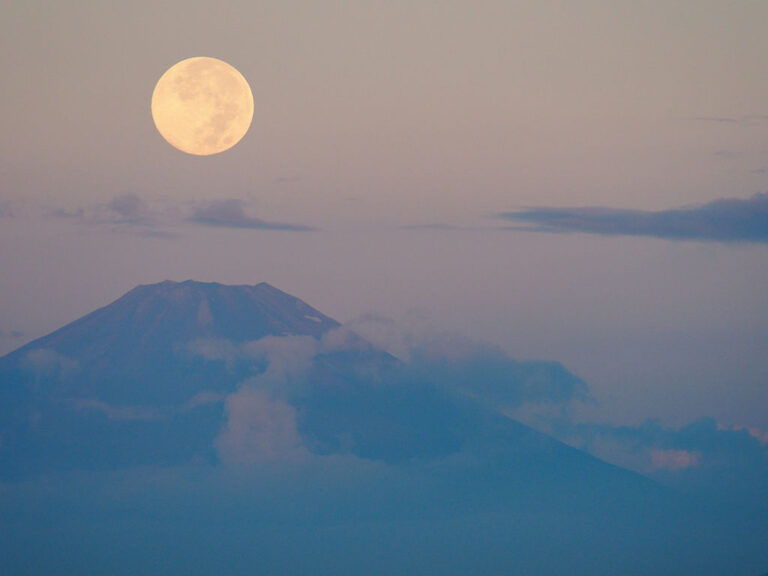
125, 385
176, 372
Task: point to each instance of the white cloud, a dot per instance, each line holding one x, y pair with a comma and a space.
44, 362
258, 429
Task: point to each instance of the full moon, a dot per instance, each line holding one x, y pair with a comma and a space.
202, 106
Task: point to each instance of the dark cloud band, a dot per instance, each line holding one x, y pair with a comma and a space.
723, 220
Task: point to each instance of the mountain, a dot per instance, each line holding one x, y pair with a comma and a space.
198, 428
124, 385
173, 373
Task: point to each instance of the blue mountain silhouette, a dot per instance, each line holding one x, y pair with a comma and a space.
145, 381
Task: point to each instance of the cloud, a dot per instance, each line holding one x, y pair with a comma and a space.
288, 361
122, 209
47, 363
231, 214
747, 120
441, 226
261, 421
674, 459
203, 399
285, 355
258, 428
127, 213
130, 209
493, 377
702, 455
723, 220
760, 435
288, 179
717, 119
350, 397
216, 349
12, 334
17, 210
7, 211
280, 359
280, 362
119, 412
482, 371
133, 214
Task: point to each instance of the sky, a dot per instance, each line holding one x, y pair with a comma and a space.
573, 181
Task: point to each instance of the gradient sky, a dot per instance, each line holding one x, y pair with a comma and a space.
389, 139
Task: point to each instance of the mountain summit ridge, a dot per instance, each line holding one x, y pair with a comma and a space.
192, 310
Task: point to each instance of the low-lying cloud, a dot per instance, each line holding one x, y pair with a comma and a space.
120, 412
703, 454
482, 371
674, 459
44, 362
494, 377
723, 220
381, 408
286, 398
258, 429
340, 457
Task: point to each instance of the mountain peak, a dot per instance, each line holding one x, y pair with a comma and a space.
172, 371
152, 328
262, 292
235, 312
171, 286
172, 312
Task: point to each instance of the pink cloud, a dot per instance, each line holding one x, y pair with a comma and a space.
756, 433
674, 460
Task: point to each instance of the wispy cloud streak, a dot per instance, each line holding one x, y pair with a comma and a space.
747, 120
231, 214
133, 214
723, 220
130, 209
125, 213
